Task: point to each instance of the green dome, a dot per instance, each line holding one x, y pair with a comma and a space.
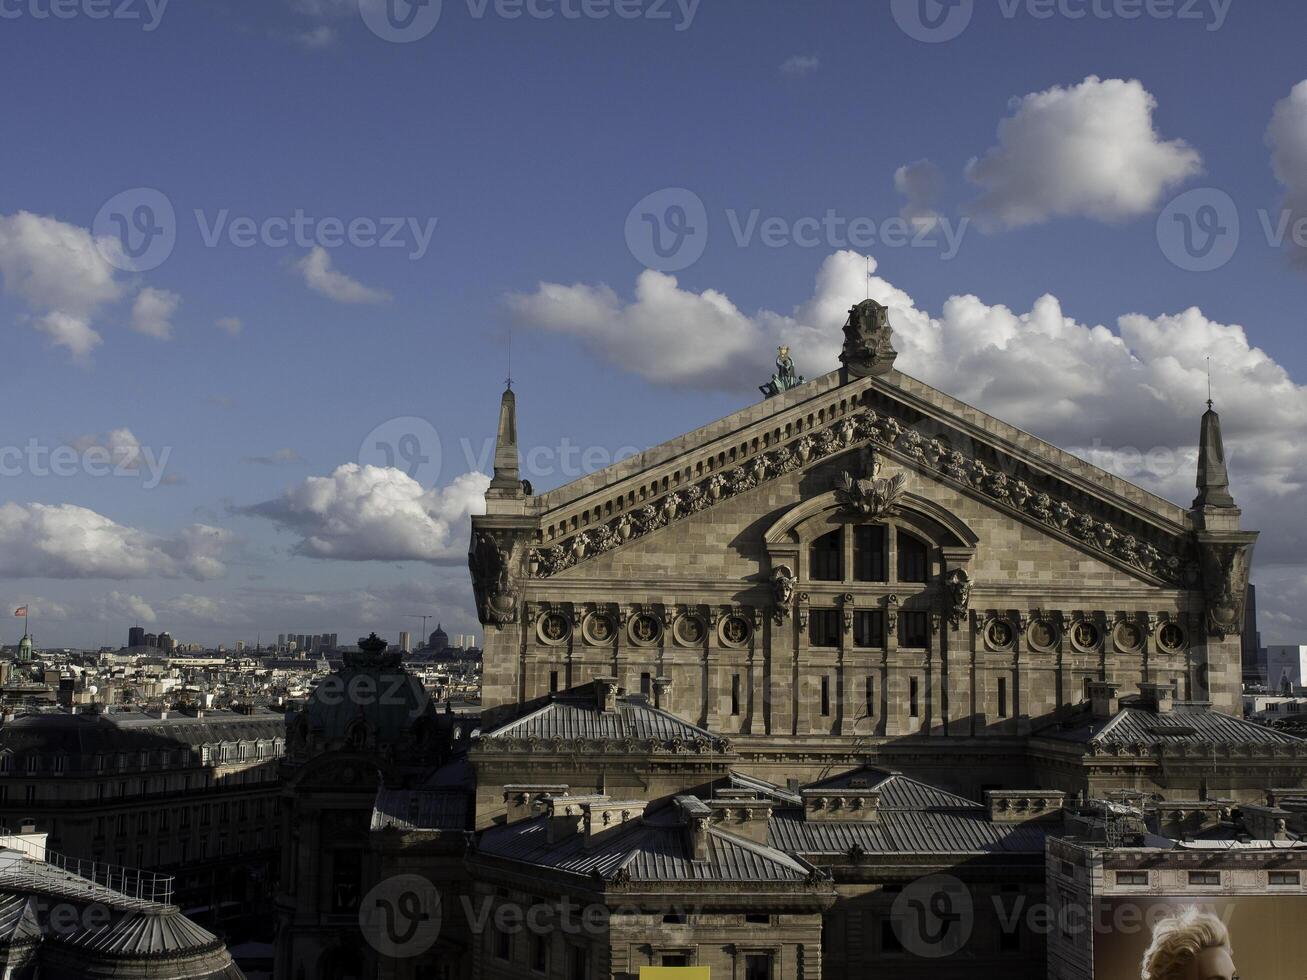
25, 648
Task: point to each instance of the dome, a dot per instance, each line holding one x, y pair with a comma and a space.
439, 639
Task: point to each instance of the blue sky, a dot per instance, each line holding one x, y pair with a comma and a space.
528, 141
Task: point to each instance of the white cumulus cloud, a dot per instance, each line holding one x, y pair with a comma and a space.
1090, 150
60, 272
152, 312
66, 541
1127, 396
373, 513
1287, 137
921, 183
322, 278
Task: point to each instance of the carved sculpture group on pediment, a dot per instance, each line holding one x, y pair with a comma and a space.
493, 563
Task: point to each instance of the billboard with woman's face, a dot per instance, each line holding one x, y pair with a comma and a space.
1256, 937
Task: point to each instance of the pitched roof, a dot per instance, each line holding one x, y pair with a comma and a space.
897, 791
1184, 725
420, 809
18, 922
905, 832
634, 718
146, 934
647, 851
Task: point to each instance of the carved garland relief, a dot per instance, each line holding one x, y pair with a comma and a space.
867, 425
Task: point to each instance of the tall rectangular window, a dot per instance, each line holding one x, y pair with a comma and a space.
871, 697
869, 553
553, 682
869, 628
914, 630
825, 694
826, 557
1002, 697
824, 627
757, 966
914, 565
913, 709
646, 684
735, 694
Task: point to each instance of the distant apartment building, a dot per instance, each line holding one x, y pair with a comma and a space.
193, 795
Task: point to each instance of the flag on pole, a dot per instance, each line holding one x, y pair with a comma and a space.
21, 612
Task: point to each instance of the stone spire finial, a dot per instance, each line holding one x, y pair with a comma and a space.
507, 476
1213, 477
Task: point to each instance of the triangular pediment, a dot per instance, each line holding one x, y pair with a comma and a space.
825, 421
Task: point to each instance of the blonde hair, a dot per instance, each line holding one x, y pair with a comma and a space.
1179, 938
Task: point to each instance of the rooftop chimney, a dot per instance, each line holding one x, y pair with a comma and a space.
1103, 702
606, 693
695, 816
1161, 697
662, 687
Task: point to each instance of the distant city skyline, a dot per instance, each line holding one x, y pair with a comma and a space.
267, 414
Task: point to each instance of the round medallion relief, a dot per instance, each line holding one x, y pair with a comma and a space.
689, 631
999, 634
645, 630
1085, 636
735, 631
1043, 635
1128, 636
1171, 637
599, 629
554, 629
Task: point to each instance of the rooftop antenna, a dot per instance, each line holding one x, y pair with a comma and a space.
509, 381
868, 277
1209, 382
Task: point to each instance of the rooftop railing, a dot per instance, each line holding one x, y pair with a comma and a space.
31, 867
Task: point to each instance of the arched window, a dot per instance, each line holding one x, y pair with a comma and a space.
914, 561
826, 557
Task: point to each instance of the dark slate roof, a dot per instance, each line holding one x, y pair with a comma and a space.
420, 809
741, 780
85, 734
634, 718
649, 852
897, 791
1184, 725
147, 935
905, 832
18, 921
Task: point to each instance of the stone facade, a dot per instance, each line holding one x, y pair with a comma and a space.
854, 562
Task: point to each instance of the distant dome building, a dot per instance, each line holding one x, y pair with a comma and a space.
439, 641
25, 649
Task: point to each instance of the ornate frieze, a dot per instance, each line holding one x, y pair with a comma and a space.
867, 497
